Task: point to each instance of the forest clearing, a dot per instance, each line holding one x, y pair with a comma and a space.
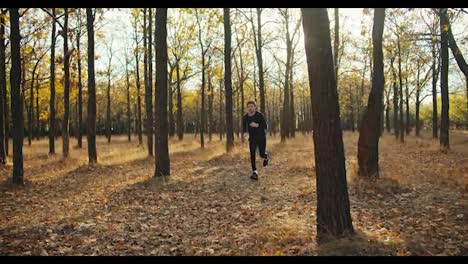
209, 206
233, 131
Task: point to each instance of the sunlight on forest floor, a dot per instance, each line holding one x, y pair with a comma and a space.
209, 206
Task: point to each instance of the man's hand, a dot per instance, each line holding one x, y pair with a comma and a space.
253, 124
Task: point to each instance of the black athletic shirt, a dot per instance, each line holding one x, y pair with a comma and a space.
254, 132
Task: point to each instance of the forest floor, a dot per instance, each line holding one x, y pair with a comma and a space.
209, 206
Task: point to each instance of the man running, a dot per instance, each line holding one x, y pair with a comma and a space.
255, 122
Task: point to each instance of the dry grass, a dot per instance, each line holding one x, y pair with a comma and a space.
209, 206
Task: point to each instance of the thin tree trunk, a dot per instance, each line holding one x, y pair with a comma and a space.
221, 123
417, 99
369, 131
37, 129
31, 107
292, 112
401, 123
148, 85
227, 80
171, 105
161, 135
336, 43
180, 122
407, 123
210, 108
435, 122
444, 117
52, 89
91, 135
108, 102
260, 62
333, 208
129, 119
138, 86
16, 103
80, 94
3, 91
66, 90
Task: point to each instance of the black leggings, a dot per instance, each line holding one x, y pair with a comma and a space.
261, 143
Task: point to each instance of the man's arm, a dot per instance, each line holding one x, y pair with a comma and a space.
263, 124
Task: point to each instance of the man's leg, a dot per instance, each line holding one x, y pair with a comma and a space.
262, 150
253, 147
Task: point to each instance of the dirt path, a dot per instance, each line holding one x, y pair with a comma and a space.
209, 206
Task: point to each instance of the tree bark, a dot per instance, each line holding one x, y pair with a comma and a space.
435, 122
261, 81
138, 85
80, 89
336, 43
15, 92
180, 122
210, 108
444, 117
52, 88
3, 91
91, 135
129, 119
108, 100
37, 125
66, 89
171, 105
369, 132
401, 124
418, 92
333, 208
227, 81
148, 85
161, 135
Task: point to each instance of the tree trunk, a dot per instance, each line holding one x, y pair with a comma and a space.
210, 108
3, 91
15, 92
407, 122
292, 112
401, 124
333, 209
387, 116
161, 133
66, 89
202, 108
171, 105
444, 117
227, 81
108, 102
395, 101
261, 81
285, 124
417, 103
31, 106
336, 43
80, 95
180, 122
52, 89
148, 84
220, 118
138, 86
435, 122
37, 128
369, 132
129, 119
91, 135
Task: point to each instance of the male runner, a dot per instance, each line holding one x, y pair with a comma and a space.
255, 122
